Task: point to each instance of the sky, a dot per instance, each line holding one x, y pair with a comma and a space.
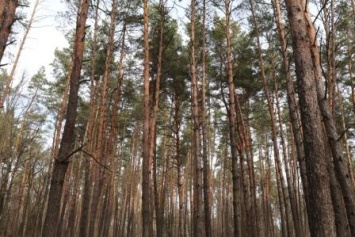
44, 37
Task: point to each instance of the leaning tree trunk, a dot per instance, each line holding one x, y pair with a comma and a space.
62, 161
320, 210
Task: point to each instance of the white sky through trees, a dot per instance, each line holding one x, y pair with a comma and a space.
44, 37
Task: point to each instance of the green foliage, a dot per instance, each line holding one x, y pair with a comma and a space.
244, 58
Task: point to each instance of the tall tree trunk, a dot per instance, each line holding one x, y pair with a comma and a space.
115, 125
62, 161
292, 104
153, 122
204, 127
341, 172
233, 102
88, 138
147, 211
320, 210
197, 192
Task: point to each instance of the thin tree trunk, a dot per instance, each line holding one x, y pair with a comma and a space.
346, 143
25, 215
268, 198
147, 214
197, 193
26, 171
233, 102
180, 164
293, 204
205, 155
160, 194
153, 120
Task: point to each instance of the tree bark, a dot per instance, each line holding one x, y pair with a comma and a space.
7, 19
147, 215
320, 210
293, 113
62, 161
339, 160
233, 102
204, 127
159, 204
197, 193
88, 138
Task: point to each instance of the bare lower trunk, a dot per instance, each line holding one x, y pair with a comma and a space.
57, 182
